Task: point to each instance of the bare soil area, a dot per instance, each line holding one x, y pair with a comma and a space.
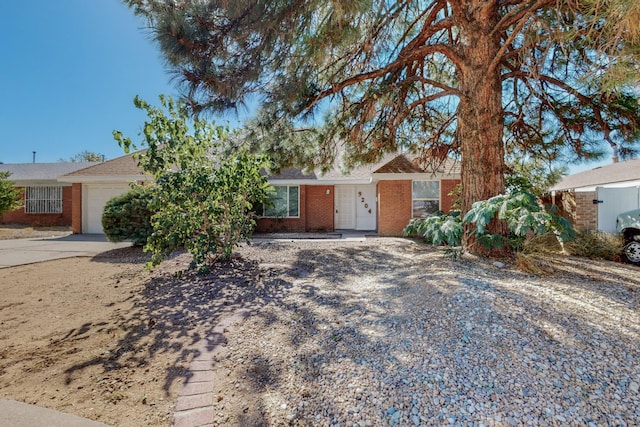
383, 331
16, 231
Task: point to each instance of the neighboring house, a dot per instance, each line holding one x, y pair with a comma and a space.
92, 187
46, 201
378, 198
593, 199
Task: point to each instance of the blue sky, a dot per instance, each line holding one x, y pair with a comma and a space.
70, 70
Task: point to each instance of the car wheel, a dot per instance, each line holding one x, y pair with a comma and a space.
632, 252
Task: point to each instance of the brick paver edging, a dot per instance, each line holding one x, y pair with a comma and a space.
194, 407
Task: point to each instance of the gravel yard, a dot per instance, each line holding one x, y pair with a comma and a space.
391, 332
341, 333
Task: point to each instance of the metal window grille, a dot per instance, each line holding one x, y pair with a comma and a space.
43, 200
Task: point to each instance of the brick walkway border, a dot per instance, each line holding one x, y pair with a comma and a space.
194, 407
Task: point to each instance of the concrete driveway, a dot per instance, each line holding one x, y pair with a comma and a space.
28, 251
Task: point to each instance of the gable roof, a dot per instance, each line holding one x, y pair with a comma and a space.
123, 168
616, 173
41, 171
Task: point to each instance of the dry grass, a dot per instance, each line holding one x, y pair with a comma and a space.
538, 251
596, 245
14, 231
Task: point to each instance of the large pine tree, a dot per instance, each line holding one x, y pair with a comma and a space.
462, 77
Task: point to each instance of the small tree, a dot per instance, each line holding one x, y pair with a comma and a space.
128, 216
10, 197
202, 199
85, 156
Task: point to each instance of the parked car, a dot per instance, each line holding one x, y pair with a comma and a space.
628, 224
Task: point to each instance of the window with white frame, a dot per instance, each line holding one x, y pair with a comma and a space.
284, 202
43, 200
426, 198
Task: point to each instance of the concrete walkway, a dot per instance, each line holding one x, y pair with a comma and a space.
28, 251
18, 414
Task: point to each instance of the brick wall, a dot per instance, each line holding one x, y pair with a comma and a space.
19, 216
291, 225
586, 214
76, 208
446, 187
319, 208
394, 206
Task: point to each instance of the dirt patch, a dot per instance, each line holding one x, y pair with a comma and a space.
339, 332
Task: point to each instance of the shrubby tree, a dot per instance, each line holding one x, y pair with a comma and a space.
438, 77
10, 197
85, 156
202, 198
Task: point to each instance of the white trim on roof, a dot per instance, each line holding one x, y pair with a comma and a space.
622, 184
346, 181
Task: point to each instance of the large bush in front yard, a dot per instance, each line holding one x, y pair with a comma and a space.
204, 194
128, 216
522, 212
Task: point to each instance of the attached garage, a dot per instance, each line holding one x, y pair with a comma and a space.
94, 186
95, 197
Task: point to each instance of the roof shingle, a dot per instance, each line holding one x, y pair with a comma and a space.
613, 173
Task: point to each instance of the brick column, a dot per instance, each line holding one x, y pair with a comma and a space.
76, 208
394, 207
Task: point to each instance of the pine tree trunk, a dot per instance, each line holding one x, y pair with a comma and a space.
480, 117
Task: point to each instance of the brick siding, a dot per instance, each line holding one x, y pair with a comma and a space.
394, 207
319, 208
446, 200
19, 216
586, 213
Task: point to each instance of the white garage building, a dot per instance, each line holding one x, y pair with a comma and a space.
600, 194
92, 187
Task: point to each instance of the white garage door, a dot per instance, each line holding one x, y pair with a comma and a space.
94, 197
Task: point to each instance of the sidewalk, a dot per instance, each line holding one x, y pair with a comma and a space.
28, 251
18, 414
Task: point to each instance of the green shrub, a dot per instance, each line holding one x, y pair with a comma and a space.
10, 197
524, 216
128, 216
438, 229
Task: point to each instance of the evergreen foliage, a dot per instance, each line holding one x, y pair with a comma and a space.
478, 80
10, 197
127, 217
202, 197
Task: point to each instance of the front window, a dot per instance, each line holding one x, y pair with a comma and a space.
284, 202
43, 200
426, 198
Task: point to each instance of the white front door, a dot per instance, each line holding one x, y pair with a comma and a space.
355, 207
345, 206
365, 207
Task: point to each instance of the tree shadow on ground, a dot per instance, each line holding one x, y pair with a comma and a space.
179, 308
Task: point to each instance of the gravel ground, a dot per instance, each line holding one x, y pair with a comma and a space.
390, 332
